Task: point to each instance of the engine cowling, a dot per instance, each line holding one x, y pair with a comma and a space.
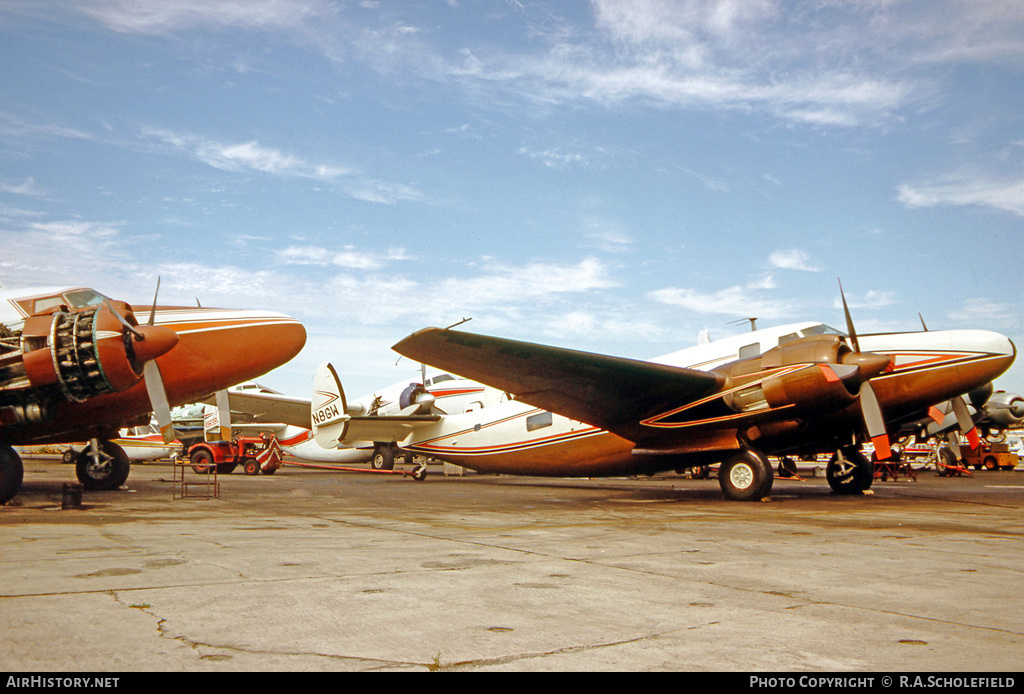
416, 394
1005, 409
819, 373
90, 352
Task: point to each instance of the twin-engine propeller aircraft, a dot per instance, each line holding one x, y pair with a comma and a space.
799, 389
391, 414
76, 365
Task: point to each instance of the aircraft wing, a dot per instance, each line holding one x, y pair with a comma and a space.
612, 393
270, 407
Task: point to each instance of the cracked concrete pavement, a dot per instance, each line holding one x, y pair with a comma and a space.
312, 570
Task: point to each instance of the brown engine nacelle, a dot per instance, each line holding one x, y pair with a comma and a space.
826, 376
90, 352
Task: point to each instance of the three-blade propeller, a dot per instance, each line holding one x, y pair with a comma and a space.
870, 409
148, 342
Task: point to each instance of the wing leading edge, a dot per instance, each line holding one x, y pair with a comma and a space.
612, 393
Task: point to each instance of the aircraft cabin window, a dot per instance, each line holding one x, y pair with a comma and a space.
539, 421
751, 350
41, 305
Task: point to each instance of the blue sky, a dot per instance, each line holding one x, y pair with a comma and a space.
609, 176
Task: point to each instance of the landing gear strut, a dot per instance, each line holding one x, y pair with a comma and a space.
747, 476
849, 471
102, 465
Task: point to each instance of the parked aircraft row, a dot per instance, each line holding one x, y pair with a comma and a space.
76, 365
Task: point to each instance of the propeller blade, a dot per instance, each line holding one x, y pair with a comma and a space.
874, 421
849, 320
224, 414
158, 400
963, 418
152, 313
127, 326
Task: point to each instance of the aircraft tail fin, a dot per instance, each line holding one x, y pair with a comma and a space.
328, 408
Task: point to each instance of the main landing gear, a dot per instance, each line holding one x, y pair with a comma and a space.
746, 476
850, 471
102, 465
11, 473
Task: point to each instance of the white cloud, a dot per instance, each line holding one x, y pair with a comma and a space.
252, 156
348, 257
792, 259
963, 189
871, 299
246, 156
744, 301
164, 16
980, 311
555, 158
27, 187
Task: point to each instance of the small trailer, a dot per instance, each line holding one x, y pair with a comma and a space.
254, 453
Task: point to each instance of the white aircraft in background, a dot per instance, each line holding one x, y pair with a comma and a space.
402, 406
791, 389
139, 443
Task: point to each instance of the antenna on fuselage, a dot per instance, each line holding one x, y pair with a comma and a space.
753, 323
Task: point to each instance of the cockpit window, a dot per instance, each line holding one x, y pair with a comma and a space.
822, 330
84, 297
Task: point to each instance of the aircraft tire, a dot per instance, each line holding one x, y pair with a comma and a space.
108, 473
850, 472
383, 458
747, 476
12, 472
947, 461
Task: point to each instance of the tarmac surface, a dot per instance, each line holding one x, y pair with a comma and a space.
311, 570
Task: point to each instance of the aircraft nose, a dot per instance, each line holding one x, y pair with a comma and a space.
1001, 354
270, 339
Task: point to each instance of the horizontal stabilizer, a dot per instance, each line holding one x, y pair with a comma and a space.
333, 426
